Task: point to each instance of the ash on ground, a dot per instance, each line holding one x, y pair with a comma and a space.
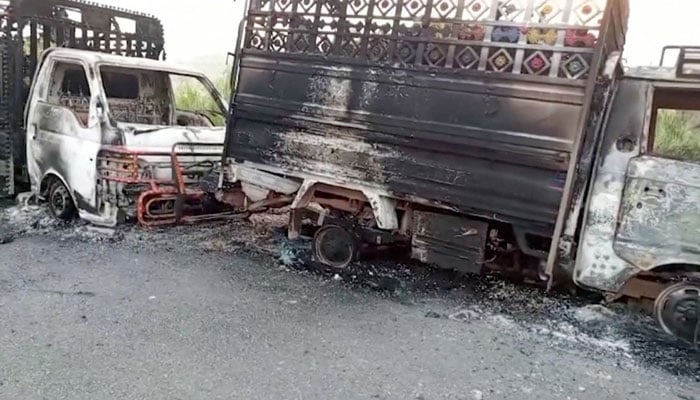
576, 323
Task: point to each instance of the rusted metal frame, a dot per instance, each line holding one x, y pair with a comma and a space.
182, 193
142, 207
133, 172
562, 216
161, 190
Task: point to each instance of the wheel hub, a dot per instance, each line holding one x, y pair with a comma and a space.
335, 246
677, 310
59, 199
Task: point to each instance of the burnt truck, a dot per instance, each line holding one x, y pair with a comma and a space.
90, 118
479, 134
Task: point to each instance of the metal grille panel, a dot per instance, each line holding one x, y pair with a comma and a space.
549, 38
6, 157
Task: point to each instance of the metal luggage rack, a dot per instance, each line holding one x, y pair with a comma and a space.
86, 25
532, 37
687, 62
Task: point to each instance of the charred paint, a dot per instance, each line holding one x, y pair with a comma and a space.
49, 20
597, 264
359, 125
660, 221
61, 145
642, 210
449, 241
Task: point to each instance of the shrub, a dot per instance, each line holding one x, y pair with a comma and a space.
677, 135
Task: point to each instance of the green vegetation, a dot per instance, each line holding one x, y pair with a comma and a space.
678, 134
194, 96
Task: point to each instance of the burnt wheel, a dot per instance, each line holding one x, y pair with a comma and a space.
335, 246
677, 310
61, 202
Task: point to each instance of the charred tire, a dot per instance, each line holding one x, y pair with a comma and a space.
335, 246
60, 201
677, 311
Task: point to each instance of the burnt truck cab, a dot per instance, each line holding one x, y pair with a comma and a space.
102, 129
488, 136
641, 224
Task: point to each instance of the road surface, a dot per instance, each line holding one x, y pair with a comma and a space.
199, 313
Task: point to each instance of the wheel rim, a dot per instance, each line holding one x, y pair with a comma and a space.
60, 199
676, 310
334, 246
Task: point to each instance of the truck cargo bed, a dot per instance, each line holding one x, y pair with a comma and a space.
415, 117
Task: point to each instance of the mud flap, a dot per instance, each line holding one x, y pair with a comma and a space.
449, 242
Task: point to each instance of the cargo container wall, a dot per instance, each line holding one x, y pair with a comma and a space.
471, 104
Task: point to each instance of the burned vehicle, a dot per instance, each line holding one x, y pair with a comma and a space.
101, 132
481, 135
91, 115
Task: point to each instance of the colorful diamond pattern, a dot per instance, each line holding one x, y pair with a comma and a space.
475, 9
587, 12
575, 67
467, 58
500, 60
537, 63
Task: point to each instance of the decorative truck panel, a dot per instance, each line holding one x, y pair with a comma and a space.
471, 104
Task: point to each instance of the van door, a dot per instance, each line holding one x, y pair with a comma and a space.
63, 131
659, 221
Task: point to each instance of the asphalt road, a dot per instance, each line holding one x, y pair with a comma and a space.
143, 318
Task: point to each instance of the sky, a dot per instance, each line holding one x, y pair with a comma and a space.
200, 32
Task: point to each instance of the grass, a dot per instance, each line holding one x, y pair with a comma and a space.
195, 97
678, 135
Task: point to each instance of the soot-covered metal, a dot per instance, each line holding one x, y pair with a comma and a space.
471, 106
27, 27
